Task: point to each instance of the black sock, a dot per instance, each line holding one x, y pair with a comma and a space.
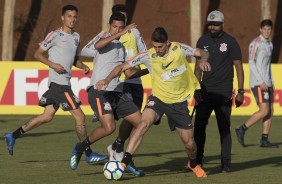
244, 128
18, 133
118, 146
127, 158
81, 147
264, 137
193, 163
88, 151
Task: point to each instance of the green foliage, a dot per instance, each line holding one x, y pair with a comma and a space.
41, 156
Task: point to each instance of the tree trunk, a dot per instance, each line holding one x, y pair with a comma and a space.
265, 9
107, 12
195, 22
8, 29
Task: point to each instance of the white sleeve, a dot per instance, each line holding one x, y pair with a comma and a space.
187, 50
139, 41
89, 50
49, 40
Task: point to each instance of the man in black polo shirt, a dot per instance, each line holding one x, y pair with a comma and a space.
217, 87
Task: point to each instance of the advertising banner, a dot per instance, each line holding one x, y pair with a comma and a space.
23, 83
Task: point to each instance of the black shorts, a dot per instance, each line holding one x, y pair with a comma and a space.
111, 102
263, 96
60, 96
136, 92
177, 113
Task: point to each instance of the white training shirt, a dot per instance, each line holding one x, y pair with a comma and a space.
105, 60
260, 51
62, 49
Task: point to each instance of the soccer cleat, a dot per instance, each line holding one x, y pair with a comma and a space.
267, 144
133, 170
74, 158
240, 135
199, 172
10, 141
95, 118
96, 157
111, 153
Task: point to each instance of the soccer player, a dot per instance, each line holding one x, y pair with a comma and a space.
173, 81
62, 46
261, 83
217, 87
110, 103
134, 44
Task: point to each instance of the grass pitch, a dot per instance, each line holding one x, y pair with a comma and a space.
41, 156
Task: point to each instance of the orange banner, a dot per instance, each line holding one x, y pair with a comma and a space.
23, 83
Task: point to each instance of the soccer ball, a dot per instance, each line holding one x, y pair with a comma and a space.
113, 170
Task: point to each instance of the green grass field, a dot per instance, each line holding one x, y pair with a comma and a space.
41, 156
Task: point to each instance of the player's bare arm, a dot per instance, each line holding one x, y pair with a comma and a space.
105, 41
202, 62
136, 73
102, 84
79, 64
39, 55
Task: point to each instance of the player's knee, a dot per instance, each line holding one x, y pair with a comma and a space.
48, 118
109, 128
264, 112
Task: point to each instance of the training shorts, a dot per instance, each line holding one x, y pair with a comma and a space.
177, 113
110, 102
263, 96
61, 96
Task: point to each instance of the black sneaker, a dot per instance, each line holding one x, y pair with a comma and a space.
240, 136
267, 144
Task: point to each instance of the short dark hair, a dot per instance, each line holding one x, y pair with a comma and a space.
159, 35
69, 7
119, 8
117, 16
266, 22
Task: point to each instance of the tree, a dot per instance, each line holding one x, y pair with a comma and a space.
107, 11
8, 29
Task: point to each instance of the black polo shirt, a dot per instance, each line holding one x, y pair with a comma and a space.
222, 52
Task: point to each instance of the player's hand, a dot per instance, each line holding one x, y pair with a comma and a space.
239, 100
198, 96
263, 86
86, 70
102, 84
205, 66
127, 28
59, 68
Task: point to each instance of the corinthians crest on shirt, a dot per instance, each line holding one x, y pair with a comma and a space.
223, 47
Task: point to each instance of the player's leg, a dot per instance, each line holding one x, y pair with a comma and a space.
135, 93
99, 103
34, 122
149, 116
186, 136
263, 111
179, 120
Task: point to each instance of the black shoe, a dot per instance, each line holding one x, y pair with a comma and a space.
240, 136
267, 144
